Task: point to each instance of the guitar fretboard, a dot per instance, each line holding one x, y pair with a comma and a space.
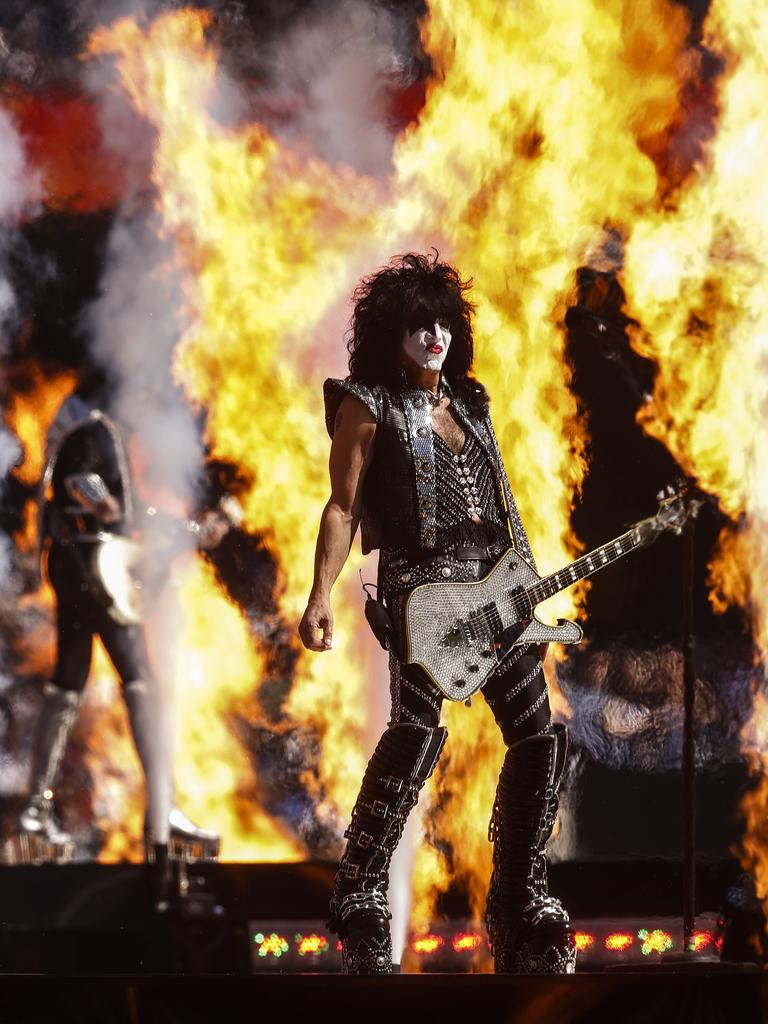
526, 601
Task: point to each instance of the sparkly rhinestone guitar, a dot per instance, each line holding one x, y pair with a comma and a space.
455, 631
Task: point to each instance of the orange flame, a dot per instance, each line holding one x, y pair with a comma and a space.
29, 413
63, 144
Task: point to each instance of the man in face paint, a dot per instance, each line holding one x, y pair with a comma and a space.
414, 461
425, 347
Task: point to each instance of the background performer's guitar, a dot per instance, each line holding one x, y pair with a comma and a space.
126, 572
456, 632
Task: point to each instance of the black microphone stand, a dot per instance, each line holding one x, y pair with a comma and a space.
688, 959
689, 740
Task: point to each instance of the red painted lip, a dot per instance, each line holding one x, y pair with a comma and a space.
435, 348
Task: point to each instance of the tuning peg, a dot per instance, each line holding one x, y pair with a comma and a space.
670, 490
660, 495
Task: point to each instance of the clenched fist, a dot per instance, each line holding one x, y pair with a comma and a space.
318, 618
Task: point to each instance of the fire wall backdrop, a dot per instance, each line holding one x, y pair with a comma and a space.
188, 196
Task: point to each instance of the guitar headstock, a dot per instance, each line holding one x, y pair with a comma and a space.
676, 507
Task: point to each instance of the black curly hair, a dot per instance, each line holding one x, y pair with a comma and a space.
410, 291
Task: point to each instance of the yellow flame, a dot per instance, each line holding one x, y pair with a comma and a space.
217, 670
118, 787
697, 276
265, 240
533, 140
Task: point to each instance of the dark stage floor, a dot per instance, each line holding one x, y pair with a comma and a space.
78, 945
578, 999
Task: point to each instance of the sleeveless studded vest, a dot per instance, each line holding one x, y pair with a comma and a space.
399, 492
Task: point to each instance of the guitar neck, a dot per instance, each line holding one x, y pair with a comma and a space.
637, 536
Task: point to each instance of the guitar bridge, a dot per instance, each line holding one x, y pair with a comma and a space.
457, 636
481, 627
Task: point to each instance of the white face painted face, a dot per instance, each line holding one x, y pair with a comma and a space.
428, 346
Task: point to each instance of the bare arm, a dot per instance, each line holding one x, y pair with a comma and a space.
351, 451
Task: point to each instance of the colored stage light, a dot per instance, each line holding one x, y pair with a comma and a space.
583, 941
618, 942
657, 941
311, 945
271, 945
425, 945
700, 940
466, 942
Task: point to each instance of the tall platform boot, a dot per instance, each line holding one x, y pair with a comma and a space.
403, 760
189, 842
529, 930
41, 836
165, 825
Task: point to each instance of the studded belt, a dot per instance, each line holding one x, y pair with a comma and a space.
468, 553
465, 553
461, 564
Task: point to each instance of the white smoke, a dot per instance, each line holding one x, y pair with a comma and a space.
328, 82
134, 325
319, 80
18, 189
10, 453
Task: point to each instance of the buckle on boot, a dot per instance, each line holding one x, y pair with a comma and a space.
393, 783
352, 872
364, 840
379, 808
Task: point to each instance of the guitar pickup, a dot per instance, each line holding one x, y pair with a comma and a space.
483, 624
